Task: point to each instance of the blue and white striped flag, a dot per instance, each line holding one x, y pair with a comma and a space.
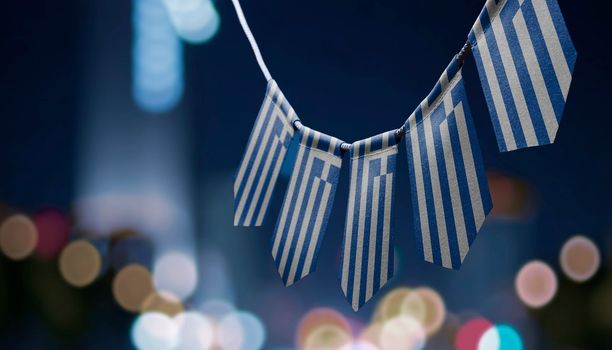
263, 158
367, 253
307, 205
450, 195
525, 60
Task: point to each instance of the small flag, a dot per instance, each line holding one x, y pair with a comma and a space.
307, 205
450, 195
367, 255
263, 158
525, 60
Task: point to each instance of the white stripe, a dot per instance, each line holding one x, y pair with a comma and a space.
470, 168
500, 107
270, 189
384, 259
535, 75
251, 146
372, 240
453, 185
361, 227
317, 229
348, 234
515, 85
420, 189
437, 195
551, 38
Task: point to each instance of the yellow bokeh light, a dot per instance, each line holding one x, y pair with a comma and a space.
163, 302
131, 287
327, 337
18, 237
80, 263
580, 259
435, 311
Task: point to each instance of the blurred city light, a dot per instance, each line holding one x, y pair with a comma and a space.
580, 258
469, 335
131, 286
327, 337
157, 58
195, 21
196, 331
163, 302
435, 311
80, 263
402, 332
176, 272
320, 317
360, 345
53, 231
536, 284
18, 237
155, 331
512, 198
251, 329
391, 304
500, 337
230, 333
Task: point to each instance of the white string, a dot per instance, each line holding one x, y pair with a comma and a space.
249, 35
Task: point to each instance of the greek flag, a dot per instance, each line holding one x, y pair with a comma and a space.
450, 195
263, 158
367, 255
307, 205
525, 60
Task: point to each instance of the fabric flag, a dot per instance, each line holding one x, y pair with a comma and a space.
307, 205
450, 195
264, 155
525, 60
367, 255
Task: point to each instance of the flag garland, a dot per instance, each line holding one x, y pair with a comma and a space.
525, 59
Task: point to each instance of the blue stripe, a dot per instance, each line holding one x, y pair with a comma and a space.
435, 248
486, 88
504, 85
506, 16
564, 37
544, 59
413, 187
438, 117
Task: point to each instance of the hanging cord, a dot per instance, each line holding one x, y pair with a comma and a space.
249, 35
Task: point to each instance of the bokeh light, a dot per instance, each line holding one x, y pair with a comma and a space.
391, 304
18, 237
157, 58
327, 337
131, 286
580, 258
176, 272
360, 345
500, 337
155, 331
512, 198
536, 284
195, 21
53, 232
164, 302
216, 308
401, 333
319, 317
251, 331
195, 331
435, 311
80, 263
468, 336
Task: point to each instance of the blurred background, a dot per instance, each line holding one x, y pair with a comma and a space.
122, 123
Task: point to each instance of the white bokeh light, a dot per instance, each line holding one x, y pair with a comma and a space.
195, 21
241, 331
195, 331
154, 331
176, 272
